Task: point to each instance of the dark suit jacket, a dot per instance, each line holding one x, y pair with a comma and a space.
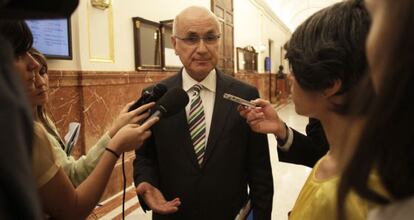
306, 149
235, 158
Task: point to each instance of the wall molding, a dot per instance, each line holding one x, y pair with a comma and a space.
110, 19
99, 78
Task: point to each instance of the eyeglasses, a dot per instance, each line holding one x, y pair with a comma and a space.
195, 39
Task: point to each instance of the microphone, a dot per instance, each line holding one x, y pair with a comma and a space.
147, 97
171, 103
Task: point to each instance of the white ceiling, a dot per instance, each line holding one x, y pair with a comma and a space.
294, 12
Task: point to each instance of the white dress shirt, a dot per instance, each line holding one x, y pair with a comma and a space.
207, 95
288, 143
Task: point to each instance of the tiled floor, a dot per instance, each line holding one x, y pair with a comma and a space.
288, 178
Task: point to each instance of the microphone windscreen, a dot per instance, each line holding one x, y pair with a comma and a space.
172, 102
159, 90
149, 96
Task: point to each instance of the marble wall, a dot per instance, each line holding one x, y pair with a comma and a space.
94, 99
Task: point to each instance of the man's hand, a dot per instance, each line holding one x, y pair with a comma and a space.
264, 119
155, 200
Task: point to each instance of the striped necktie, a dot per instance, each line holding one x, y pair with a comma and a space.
197, 123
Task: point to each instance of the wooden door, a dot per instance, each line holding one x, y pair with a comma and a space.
224, 11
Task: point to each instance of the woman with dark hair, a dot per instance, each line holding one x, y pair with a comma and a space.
21, 39
18, 194
386, 144
76, 169
50, 178
327, 59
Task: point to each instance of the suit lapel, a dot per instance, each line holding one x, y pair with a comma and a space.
219, 118
182, 133
220, 115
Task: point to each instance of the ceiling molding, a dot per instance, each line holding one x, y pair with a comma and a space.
294, 12
265, 8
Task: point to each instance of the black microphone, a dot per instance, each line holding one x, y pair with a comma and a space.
171, 103
147, 97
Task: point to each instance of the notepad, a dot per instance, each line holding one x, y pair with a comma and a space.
72, 136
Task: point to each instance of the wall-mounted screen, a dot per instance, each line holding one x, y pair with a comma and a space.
52, 37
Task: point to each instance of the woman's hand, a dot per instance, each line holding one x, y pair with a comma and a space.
132, 136
132, 117
264, 118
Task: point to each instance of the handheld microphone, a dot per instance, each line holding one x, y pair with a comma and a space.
157, 92
171, 103
147, 97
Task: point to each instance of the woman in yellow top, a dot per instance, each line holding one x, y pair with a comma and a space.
318, 198
58, 197
387, 142
327, 58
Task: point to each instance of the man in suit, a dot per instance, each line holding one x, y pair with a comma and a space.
204, 159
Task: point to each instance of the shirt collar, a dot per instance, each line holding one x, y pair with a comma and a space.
208, 83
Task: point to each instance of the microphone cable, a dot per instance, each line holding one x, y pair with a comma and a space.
124, 186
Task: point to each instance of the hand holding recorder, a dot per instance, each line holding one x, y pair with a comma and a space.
263, 118
239, 100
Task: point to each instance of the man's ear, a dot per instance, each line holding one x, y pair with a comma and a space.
174, 43
331, 91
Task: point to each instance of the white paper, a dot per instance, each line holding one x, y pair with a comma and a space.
244, 211
72, 136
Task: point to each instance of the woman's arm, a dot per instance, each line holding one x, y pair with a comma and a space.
62, 201
78, 170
